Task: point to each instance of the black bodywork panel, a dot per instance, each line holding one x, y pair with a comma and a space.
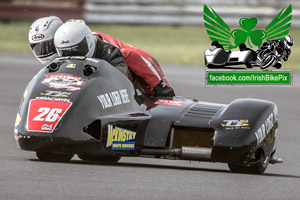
105, 116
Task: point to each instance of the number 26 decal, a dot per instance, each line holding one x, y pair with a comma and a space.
52, 114
44, 115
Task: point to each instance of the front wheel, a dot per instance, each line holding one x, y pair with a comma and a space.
54, 157
260, 167
109, 159
212, 66
268, 61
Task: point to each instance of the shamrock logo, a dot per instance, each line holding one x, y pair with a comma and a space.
219, 31
240, 36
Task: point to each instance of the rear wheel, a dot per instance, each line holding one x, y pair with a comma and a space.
248, 65
259, 168
110, 159
54, 157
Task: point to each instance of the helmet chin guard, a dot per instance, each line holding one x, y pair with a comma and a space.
74, 38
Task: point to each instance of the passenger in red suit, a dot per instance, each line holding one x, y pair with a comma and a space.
146, 72
139, 62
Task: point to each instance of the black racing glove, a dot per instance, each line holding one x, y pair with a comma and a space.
161, 90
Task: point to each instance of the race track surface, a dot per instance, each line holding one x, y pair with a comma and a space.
22, 176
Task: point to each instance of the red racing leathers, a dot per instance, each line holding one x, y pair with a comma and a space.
142, 65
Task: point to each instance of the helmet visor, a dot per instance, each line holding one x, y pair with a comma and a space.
43, 49
80, 49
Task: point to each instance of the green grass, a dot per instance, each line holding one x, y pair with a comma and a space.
14, 37
168, 44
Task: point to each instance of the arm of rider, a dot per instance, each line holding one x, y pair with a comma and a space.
287, 54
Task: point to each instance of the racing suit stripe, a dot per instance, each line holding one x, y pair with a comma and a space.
151, 67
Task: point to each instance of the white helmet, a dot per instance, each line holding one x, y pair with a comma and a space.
288, 41
41, 35
74, 38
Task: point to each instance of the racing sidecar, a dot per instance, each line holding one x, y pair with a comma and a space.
86, 107
217, 57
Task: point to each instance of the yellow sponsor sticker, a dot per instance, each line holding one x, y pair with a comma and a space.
71, 66
120, 138
16, 127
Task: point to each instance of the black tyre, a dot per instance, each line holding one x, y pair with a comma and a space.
212, 66
109, 159
54, 157
248, 65
277, 65
258, 168
268, 61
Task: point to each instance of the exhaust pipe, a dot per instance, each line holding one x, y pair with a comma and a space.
196, 153
162, 152
185, 153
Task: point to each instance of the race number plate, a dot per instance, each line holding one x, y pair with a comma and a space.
44, 115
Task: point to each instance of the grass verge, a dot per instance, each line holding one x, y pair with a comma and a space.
168, 44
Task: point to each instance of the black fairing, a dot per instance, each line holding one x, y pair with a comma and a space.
163, 117
238, 143
102, 101
86, 108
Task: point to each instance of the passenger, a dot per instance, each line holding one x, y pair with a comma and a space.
75, 38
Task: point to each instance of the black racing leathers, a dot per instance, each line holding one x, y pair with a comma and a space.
112, 55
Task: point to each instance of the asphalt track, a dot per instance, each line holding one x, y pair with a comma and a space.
22, 176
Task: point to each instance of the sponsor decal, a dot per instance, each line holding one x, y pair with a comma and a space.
71, 66
114, 98
53, 99
16, 129
47, 127
59, 94
93, 60
169, 102
37, 37
120, 138
64, 42
78, 57
235, 124
44, 115
266, 127
71, 57
67, 81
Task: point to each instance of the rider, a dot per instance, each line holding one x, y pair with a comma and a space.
74, 38
280, 49
41, 38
